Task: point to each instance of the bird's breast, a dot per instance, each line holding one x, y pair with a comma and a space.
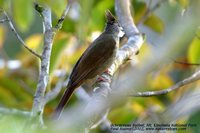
109, 61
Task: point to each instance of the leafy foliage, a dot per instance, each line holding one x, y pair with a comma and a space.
23, 13
17, 85
155, 23
194, 51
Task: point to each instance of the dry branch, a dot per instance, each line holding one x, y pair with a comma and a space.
40, 99
135, 41
7, 111
194, 77
17, 35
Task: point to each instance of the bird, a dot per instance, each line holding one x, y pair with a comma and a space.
96, 59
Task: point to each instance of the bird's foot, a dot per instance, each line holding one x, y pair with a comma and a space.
102, 79
108, 72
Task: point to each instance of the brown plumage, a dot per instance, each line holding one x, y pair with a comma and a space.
94, 61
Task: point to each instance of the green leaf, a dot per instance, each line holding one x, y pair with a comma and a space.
14, 88
57, 50
2, 35
14, 123
194, 120
23, 13
83, 24
5, 4
69, 25
198, 32
155, 23
6, 97
121, 115
184, 3
194, 51
97, 20
139, 10
58, 6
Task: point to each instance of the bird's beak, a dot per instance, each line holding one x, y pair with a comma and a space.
121, 32
121, 28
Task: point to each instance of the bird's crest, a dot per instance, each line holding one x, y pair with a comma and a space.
110, 18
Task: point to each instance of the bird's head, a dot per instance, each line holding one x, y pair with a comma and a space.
112, 25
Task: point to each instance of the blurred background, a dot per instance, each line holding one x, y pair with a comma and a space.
161, 21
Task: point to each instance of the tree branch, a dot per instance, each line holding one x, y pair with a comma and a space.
40, 99
186, 63
64, 14
38, 106
135, 41
14, 112
3, 20
192, 78
47, 25
149, 11
184, 107
18, 36
55, 91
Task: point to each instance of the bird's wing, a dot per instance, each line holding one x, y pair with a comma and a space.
98, 52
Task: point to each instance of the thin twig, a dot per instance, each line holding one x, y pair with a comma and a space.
187, 63
19, 37
184, 107
3, 20
55, 91
191, 79
64, 14
14, 112
26, 87
40, 9
149, 11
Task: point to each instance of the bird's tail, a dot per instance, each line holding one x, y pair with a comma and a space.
65, 98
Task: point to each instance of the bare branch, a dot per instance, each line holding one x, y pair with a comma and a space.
135, 41
38, 105
184, 107
64, 14
25, 86
14, 112
149, 11
191, 79
18, 36
82, 95
186, 63
52, 94
3, 20
40, 99
49, 34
